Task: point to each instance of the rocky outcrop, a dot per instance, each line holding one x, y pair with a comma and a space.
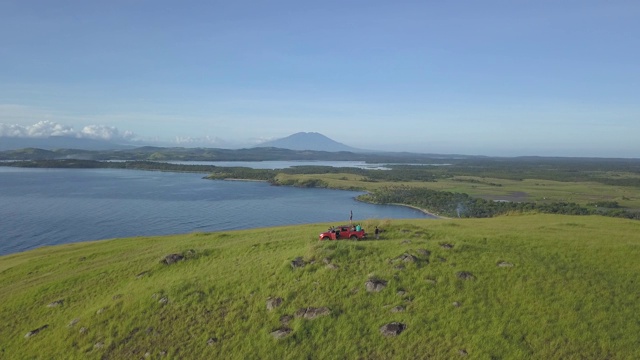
172, 259
465, 275
375, 285
392, 329
298, 262
36, 331
311, 313
273, 303
281, 332
56, 303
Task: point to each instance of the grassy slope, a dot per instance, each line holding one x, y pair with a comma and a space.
573, 293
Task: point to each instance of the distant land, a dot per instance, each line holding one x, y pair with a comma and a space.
299, 141
309, 141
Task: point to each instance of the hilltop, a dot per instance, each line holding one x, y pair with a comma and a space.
530, 286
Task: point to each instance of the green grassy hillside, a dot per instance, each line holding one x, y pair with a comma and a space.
531, 286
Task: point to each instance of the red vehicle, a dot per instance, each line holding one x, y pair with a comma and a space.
343, 232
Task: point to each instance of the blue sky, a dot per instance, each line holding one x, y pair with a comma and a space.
473, 77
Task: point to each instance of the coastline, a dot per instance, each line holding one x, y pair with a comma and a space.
424, 211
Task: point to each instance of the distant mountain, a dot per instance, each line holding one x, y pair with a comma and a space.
58, 142
308, 141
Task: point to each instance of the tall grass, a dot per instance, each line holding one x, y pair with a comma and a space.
572, 293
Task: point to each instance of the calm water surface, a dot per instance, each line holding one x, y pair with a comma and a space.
55, 206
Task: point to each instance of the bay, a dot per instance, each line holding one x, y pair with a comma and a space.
55, 206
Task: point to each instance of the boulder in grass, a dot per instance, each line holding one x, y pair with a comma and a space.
311, 313
281, 332
505, 264
172, 259
375, 285
56, 303
465, 275
298, 262
392, 329
273, 303
36, 331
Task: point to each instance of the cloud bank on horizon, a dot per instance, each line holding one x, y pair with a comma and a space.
46, 128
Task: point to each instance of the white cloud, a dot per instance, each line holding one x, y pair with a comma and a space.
103, 132
46, 128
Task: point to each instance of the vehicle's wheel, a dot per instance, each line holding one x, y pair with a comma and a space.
353, 237
325, 238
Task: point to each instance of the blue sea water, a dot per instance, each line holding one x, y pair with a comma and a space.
56, 206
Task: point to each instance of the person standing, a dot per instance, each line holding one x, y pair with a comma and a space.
377, 232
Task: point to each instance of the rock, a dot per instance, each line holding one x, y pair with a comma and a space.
285, 319
100, 311
142, 274
446, 246
56, 303
73, 322
333, 266
375, 285
397, 309
401, 292
505, 264
172, 259
456, 304
423, 252
465, 275
99, 345
273, 303
35, 331
463, 352
408, 258
116, 297
297, 262
163, 300
281, 332
399, 267
212, 341
392, 329
83, 330
311, 313
326, 261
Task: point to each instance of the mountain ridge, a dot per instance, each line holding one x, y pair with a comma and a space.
308, 141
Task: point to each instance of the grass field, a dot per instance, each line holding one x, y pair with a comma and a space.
568, 289
496, 189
